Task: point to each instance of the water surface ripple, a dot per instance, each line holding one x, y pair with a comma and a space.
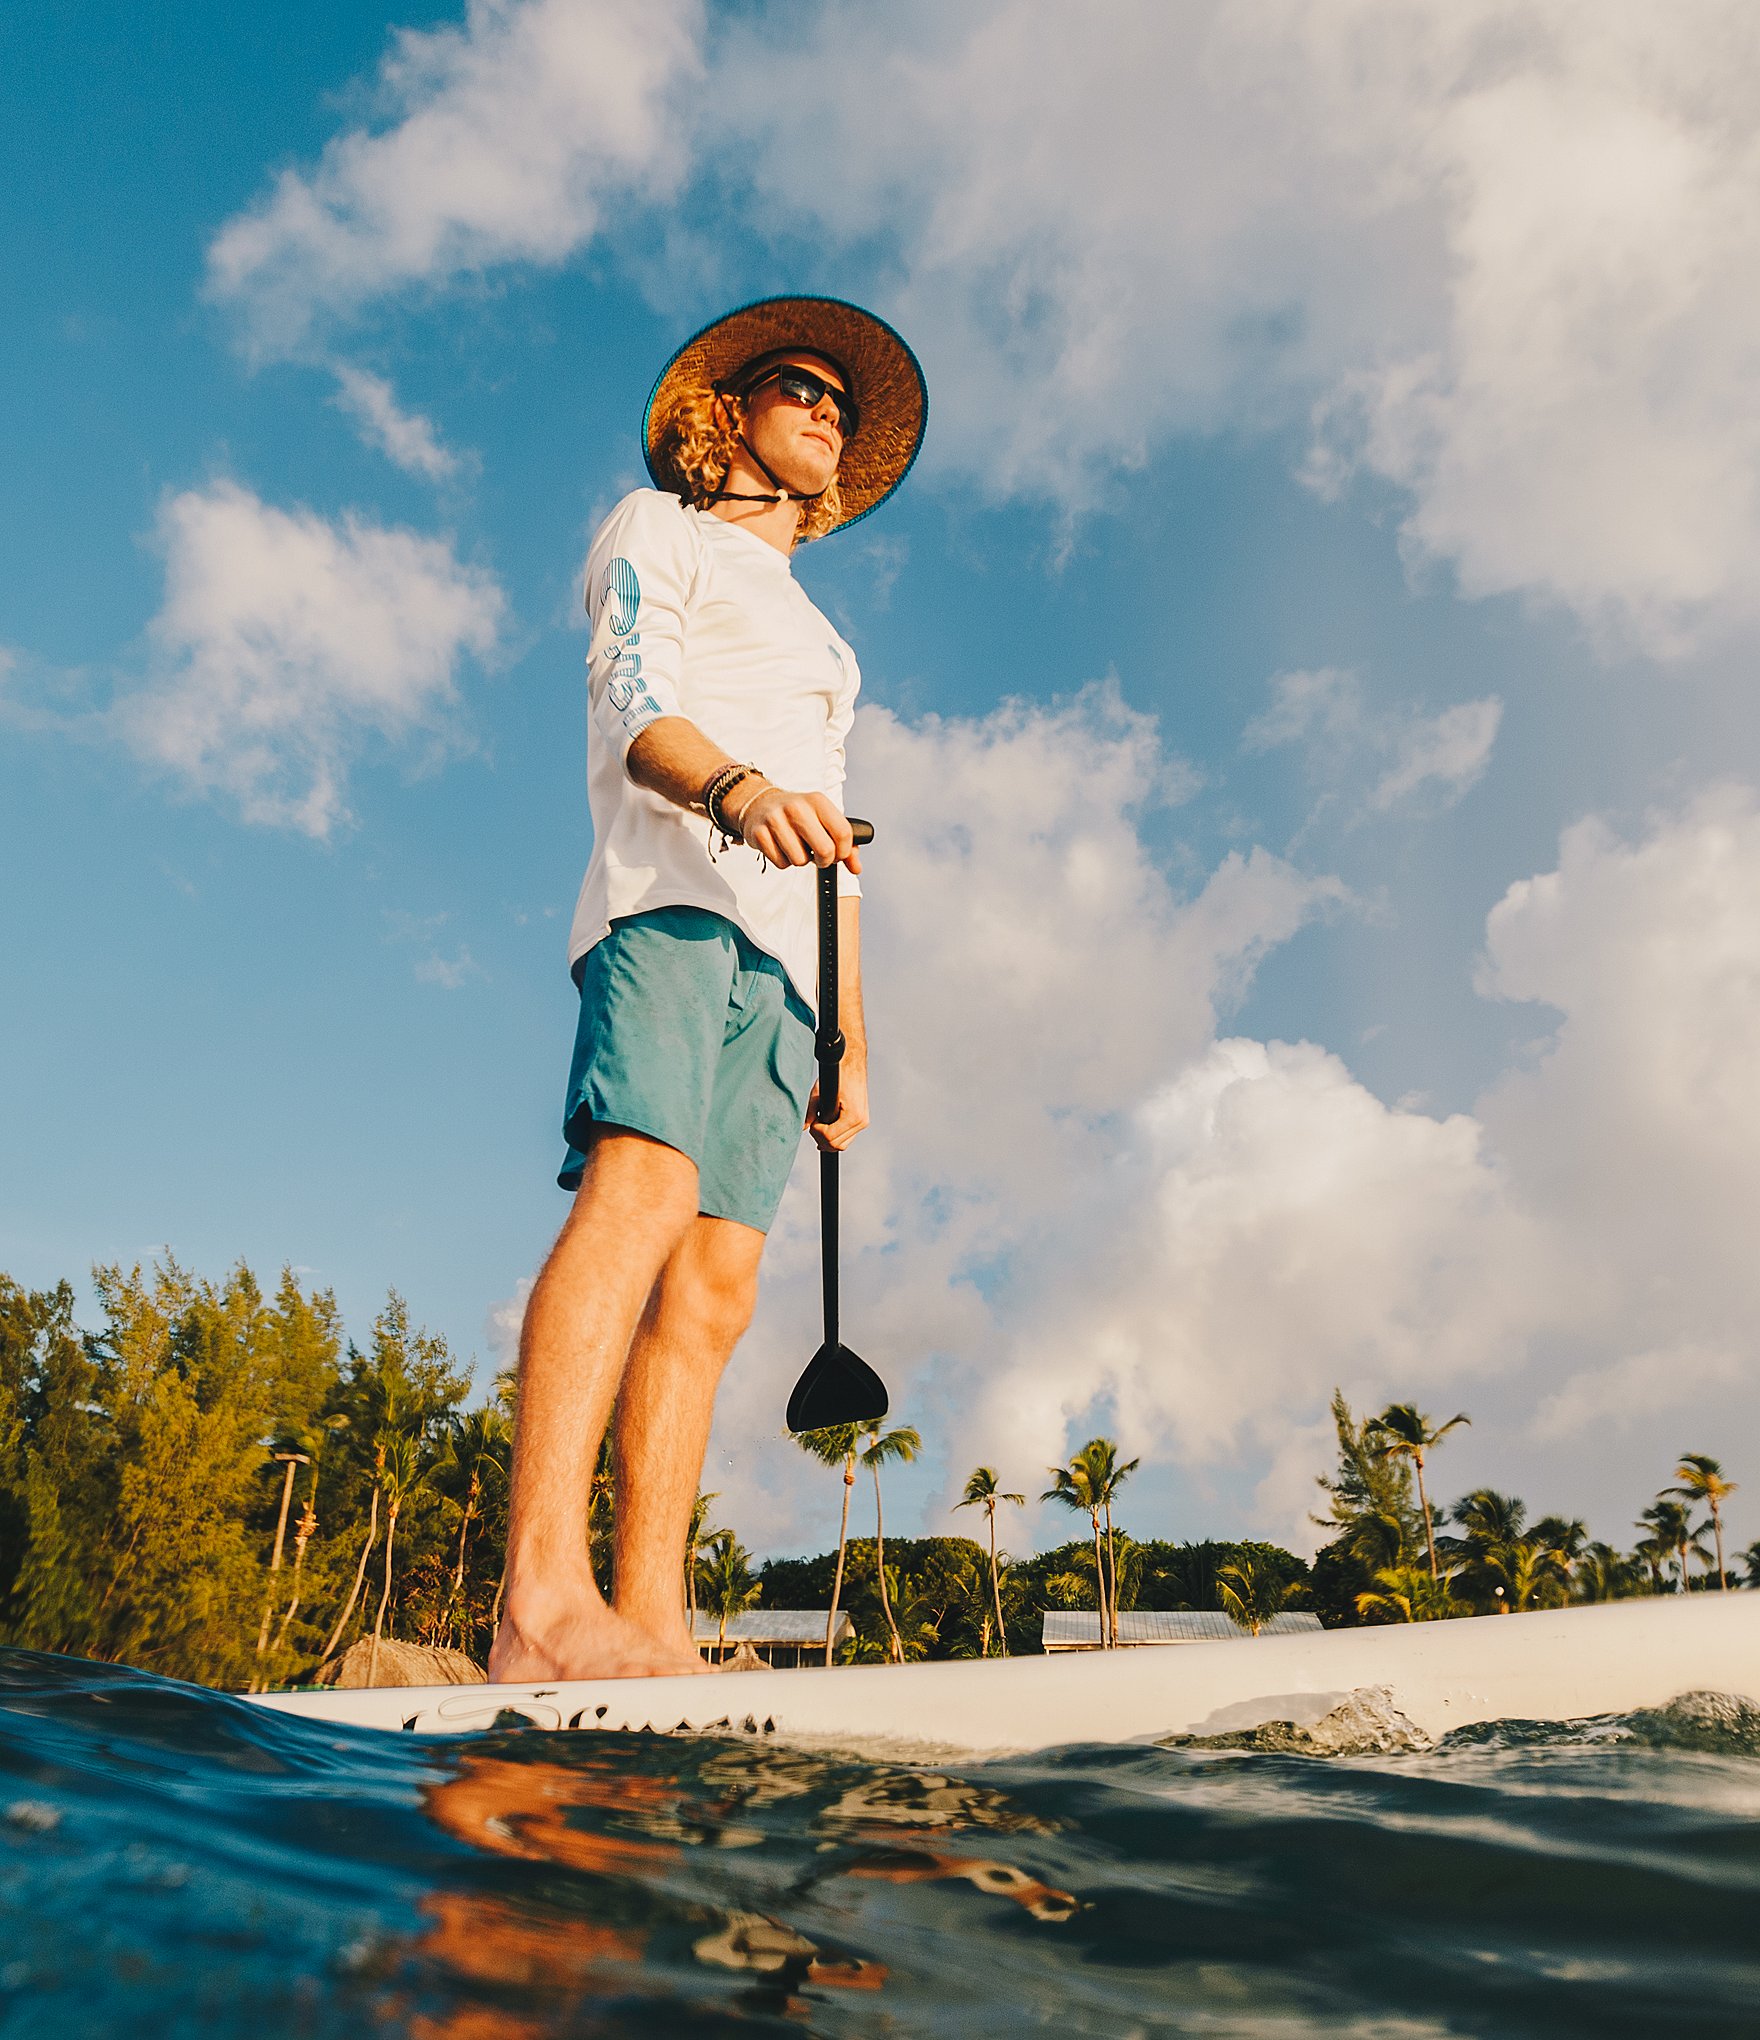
175, 1862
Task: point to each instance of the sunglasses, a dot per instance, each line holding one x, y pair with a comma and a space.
802, 386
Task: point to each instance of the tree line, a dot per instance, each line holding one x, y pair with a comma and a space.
216, 1483
1392, 1557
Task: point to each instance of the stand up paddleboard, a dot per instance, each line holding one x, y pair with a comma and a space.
1557, 1665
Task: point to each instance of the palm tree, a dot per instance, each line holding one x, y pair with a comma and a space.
914, 1624
1701, 1480
1651, 1553
1073, 1487
1407, 1593
1672, 1524
1370, 1496
383, 1399
1567, 1537
360, 1571
835, 1445
1406, 1433
728, 1585
303, 1533
292, 1460
698, 1540
401, 1473
476, 1453
956, 1586
1560, 1542
1601, 1574
1251, 1591
1105, 1477
1523, 1571
984, 1491
1494, 1524
903, 1444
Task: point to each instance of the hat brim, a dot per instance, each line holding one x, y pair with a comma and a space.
884, 374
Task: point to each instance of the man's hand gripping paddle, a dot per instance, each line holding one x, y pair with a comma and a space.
838, 1387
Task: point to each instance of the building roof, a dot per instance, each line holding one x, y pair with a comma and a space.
1072, 1628
793, 1627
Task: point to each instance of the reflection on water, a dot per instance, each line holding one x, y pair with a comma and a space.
613, 1831
179, 1863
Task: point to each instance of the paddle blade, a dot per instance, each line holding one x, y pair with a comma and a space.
838, 1387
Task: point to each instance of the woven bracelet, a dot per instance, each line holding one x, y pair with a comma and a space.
717, 791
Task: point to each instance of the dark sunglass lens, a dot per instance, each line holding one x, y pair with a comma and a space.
802, 388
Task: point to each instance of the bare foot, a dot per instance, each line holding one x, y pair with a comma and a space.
541, 1642
670, 1635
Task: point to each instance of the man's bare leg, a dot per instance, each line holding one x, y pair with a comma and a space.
699, 1308
637, 1200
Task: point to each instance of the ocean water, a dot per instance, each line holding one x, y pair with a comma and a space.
174, 1862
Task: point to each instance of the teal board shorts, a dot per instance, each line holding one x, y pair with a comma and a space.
691, 1034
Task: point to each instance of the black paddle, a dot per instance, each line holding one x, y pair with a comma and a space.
838, 1387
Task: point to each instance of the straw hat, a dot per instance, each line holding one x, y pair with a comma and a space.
878, 368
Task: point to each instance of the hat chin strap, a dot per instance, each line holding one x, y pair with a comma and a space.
783, 494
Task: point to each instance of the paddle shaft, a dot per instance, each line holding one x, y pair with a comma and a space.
829, 1045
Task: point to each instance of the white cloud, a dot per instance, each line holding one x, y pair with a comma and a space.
1446, 754
507, 139
1322, 707
1506, 258
404, 437
287, 642
450, 973
1637, 1390
505, 1321
1327, 714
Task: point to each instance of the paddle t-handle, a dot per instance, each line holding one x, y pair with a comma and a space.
838, 1386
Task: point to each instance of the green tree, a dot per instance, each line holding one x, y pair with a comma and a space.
1671, 1524
1701, 1480
1600, 1573
726, 1584
1409, 1593
836, 1445
699, 1536
474, 1461
984, 1491
1404, 1432
1071, 1489
1369, 1512
884, 1448
1252, 1592
1088, 1486
402, 1472
1495, 1525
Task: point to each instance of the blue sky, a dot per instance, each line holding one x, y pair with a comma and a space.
1347, 470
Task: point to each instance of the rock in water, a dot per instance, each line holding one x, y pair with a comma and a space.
400, 1664
1365, 1723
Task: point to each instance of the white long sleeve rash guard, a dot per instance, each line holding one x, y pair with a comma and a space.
692, 616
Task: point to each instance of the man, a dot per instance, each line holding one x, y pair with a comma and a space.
720, 700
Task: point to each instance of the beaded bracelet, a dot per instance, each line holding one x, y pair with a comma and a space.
717, 790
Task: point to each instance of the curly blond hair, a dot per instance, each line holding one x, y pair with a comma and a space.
694, 448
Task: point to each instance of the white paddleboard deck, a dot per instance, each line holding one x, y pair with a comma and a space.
1555, 1665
